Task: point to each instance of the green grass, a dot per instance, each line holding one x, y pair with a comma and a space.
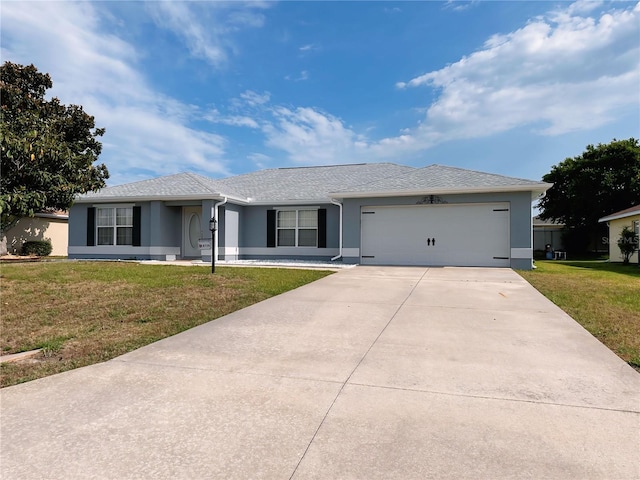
603, 297
81, 313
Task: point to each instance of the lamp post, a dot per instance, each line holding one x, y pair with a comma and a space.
213, 226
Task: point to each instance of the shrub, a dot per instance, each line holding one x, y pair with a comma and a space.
627, 243
40, 248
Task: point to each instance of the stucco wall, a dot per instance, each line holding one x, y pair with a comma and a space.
243, 230
54, 230
252, 239
615, 228
229, 242
161, 233
163, 224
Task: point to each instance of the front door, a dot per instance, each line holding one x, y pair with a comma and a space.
191, 231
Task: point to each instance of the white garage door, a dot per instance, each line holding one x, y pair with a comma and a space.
439, 235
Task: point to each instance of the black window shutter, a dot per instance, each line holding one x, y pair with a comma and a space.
91, 227
137, 230
322, 228
271, 228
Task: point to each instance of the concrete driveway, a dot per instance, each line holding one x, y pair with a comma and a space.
389, 373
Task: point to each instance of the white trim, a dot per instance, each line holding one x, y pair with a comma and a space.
153, 198
289, 251
114, 205
537, 188
297, 228
498, 203
522, 253
122, 250
230, 251
214, 235
114, 227
619, 216
288, 206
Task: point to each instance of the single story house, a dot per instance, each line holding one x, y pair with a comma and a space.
629, 217
52, 227
377, 214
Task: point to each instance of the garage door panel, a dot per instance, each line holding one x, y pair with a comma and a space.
439, 235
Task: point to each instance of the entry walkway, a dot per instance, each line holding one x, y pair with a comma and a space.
370, 373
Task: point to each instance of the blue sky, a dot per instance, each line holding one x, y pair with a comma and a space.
227, 88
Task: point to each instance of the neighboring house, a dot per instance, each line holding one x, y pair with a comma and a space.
547, 232
629, 217
53, 227
379, 214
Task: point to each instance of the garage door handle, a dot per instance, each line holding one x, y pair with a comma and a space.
431, 241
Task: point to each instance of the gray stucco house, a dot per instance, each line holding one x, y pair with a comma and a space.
378, 213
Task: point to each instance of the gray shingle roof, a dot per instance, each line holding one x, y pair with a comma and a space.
312, 184
436, 178
307, 183
180, 185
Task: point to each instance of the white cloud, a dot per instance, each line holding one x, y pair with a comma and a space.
557, 74
308, 48
146, 130
253, 99
460, 5
311, 137
214, 116
206, 27
304, 75
583, 6
181, 19
260, 160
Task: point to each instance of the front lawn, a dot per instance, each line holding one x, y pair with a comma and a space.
80, 313
603, 297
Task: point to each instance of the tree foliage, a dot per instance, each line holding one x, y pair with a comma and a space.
48, 149
602, 180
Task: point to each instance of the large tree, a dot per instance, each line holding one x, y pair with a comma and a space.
49, 149
602, 180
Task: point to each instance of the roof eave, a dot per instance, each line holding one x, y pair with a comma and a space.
293, 201
618, 217
537, 189
59, 216
164, 198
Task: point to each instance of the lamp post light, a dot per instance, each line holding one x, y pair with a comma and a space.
213, 226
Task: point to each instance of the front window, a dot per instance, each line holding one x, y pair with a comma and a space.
115, 225
297, 228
